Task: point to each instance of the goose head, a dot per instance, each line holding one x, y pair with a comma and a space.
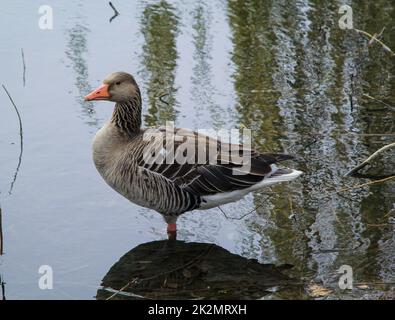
117, 87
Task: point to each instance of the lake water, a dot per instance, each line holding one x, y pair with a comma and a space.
281, 68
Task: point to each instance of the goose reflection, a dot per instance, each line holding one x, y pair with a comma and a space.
181, 270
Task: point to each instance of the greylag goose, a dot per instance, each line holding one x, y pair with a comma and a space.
134, 161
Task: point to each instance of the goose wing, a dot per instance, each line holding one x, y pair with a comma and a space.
204, 165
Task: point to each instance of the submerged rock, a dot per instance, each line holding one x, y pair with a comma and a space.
179, 270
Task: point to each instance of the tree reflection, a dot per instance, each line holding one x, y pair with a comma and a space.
76, 49
159, 25
300, 82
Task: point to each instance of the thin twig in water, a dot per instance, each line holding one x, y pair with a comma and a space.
24, 67
369, 159
133, 281
350, 96
116, 13
382, 102
376, 134
379, 224
21, 139
2, 284
161, 100
240, 218
290, 204
389, 213
124, 293
244, 215
374, 38
1, 233
366, 184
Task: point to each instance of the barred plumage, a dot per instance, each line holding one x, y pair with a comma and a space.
135, 162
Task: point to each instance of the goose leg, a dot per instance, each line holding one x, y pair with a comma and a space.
172, 231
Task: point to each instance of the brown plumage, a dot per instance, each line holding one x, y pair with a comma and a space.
173, 170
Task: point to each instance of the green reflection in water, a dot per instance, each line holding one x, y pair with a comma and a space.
300, 82
253, 78
159, 25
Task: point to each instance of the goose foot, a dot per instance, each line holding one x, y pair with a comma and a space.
172, 231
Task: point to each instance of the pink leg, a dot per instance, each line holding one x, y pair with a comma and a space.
172, 231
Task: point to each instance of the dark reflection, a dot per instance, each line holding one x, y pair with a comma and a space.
179, 270
159, 25
76, 48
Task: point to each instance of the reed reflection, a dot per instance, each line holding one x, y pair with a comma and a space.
159, 25
77, 47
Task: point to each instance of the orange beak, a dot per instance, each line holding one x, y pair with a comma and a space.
101, 93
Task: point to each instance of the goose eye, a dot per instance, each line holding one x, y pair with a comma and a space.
118, 83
